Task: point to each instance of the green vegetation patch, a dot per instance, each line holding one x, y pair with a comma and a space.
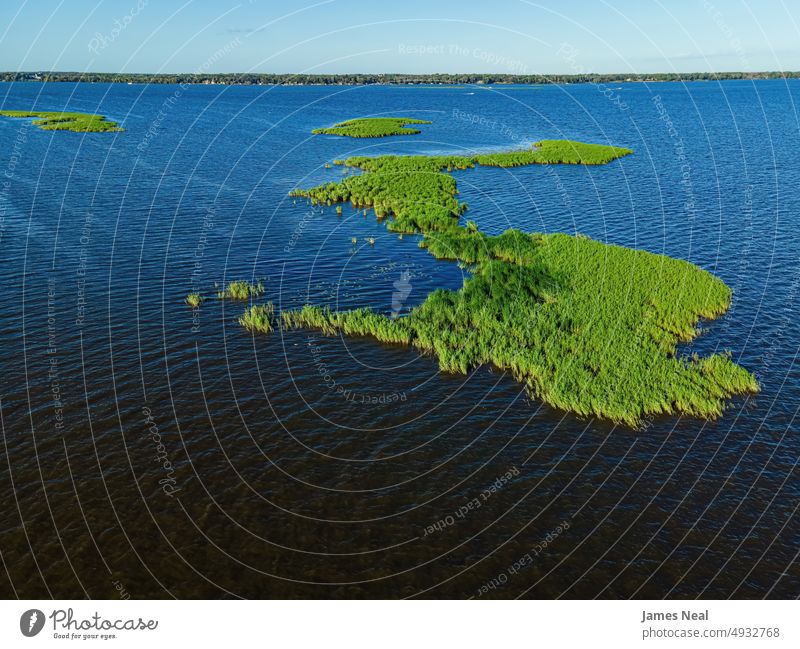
259, 318
420, 198
241, 289
587, 327
194, 300
372, 127
58, 121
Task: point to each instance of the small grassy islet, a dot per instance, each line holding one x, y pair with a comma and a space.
241, 289
587, 327
372, 127
61, 121
194, 300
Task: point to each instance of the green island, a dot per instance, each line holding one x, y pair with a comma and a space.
420, 198
587, 327
59, 121
372, 127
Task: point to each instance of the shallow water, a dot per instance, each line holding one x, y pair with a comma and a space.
288, 487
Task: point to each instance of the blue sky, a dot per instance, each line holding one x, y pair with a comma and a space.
515, 36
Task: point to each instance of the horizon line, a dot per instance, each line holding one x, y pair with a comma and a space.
411, 74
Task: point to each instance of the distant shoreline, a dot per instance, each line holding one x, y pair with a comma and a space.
385, 79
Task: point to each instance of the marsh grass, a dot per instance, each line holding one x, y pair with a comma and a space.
419, 197
587, 327
194, 300
259, 318
59, 121
372, 127
241, 290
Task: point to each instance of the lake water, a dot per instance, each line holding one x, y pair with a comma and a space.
270, 482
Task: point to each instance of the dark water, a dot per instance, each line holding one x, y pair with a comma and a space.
282, 486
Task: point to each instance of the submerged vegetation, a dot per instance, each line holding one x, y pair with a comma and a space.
241, 290
59, 121
585, 326
372, 127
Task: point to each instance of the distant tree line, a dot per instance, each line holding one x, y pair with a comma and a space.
373, 79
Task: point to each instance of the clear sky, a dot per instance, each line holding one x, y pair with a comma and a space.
330, 36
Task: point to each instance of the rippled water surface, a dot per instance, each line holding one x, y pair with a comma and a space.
273, 482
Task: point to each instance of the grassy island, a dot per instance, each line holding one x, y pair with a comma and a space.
194, 300
587, 327
241, 289
58, 121
372, 127
420, 198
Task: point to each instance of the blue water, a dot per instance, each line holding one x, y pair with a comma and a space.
281, 484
